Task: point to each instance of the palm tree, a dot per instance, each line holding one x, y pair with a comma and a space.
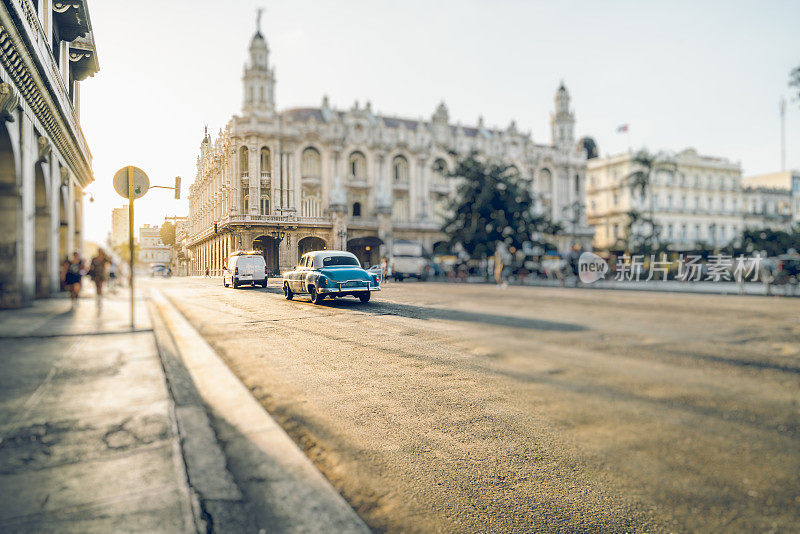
646, 167
794, 81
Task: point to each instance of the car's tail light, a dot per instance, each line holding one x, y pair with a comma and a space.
236, 270
376, 279
265, 270
323, 281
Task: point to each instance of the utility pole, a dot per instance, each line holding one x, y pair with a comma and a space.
782, 109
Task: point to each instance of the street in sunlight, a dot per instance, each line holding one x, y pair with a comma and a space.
466, 407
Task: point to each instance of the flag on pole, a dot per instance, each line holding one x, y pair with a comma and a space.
622, 128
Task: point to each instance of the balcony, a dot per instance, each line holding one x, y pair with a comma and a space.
311, 181
440, 187
357, 183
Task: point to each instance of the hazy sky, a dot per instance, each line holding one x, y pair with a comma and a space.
702, 74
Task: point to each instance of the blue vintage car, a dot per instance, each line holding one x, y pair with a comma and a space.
330, 273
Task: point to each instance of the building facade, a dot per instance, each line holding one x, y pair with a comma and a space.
120, 223
151, 249
46, 50
705, 201
179, 259
788, 181
699, 203
767, 207
303, 179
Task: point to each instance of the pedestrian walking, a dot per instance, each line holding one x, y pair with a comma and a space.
206, 271
384, 269
72, 270
98, 269
112, 276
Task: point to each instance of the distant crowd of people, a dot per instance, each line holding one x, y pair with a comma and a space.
100, 269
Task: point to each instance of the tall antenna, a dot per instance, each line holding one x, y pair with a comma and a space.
782, 108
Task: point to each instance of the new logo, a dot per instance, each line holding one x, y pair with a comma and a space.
591, 267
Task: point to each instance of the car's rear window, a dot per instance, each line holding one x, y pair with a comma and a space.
332, 261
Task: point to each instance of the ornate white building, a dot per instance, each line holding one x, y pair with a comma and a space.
303, 179
704, 201
46, 49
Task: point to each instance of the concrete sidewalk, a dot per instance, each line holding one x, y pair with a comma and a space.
88, 441
104, 428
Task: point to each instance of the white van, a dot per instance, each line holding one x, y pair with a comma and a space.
244, 268
408, 260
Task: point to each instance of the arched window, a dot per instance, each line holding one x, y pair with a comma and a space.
440, 171
244, 161
310, 163
356, 209
265, 163
310, 203
264, 204
400, 170
357, 164
246, 204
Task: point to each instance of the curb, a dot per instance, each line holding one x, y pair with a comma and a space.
282, 488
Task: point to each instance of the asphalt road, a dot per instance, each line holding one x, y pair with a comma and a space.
449, 407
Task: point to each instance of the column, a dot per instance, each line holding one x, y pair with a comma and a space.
233, 173
29, 153
297, 188
276, 183
55, 224
255, 180
424, 188
413, 169
339, 216
554, 195
328, 172
385, 232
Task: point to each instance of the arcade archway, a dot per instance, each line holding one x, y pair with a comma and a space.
41, 233
366, 249
309, 244
268, 246
10, 208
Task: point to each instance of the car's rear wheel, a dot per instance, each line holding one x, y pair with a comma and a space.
264, 283
234, 283
364, 297
224, 283
287, 292
316, 298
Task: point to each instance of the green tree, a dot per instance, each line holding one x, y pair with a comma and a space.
774, 242
167, 233
646, 165
794, 81
492, 205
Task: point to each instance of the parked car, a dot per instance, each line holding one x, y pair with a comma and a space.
377, 270
244, 267
330, 273
160, 270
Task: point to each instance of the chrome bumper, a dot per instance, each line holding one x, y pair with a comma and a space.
337, 290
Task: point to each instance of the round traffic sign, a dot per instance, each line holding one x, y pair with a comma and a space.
141, 183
